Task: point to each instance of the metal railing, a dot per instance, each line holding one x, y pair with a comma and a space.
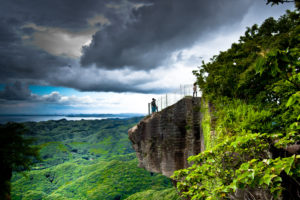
171, 98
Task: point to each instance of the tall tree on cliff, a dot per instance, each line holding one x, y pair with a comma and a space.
16, 154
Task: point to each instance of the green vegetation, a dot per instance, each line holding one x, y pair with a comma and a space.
254, 112
86, 160
165, 194
16, 155
206, 126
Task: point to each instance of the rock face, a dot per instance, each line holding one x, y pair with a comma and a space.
164, 140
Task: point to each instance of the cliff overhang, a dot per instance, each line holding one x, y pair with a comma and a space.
164, 140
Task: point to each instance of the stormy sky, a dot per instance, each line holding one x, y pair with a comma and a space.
60, 56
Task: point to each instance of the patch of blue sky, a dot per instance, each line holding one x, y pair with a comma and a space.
42, 90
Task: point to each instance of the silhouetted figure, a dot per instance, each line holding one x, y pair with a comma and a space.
195, 90
154, 106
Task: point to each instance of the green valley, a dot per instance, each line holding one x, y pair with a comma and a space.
87, 159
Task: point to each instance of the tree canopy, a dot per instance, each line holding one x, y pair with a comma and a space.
251, 123
273, 2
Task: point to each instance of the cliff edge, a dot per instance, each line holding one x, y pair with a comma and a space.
164, 140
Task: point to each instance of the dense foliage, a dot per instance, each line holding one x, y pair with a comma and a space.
276, 2
16, 154
85, 160
253, 143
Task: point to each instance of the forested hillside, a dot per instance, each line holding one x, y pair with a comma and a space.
251, 111
86, 160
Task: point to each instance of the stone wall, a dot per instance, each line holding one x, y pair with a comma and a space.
164, 140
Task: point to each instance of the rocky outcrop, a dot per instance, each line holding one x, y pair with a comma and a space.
164, 140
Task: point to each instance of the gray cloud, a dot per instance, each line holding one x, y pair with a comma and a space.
54, 97
19, 92
94, 79
33, 59
28, 63
69, 14
16, 91
133, 38
19, 61
157, 30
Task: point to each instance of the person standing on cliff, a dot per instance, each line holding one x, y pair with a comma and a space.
154, 106
195, 89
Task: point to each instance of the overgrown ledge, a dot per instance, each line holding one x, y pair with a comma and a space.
164, 140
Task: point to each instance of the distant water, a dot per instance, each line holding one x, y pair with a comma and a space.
31, 118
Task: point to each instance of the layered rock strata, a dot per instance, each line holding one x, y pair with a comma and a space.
164, 140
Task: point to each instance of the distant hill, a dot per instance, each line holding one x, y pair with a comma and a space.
21, 118
123, 115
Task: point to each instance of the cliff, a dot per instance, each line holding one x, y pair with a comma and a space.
164, 140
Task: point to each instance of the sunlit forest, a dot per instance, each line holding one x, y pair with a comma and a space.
87, 159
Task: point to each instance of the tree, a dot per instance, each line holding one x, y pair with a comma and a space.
279, 1
273, 2
16, 154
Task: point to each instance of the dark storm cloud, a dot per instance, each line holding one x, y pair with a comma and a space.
138, 35
158, 29
108, 85
57, 13
16, 91
19, 61
27, 62
92, 79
